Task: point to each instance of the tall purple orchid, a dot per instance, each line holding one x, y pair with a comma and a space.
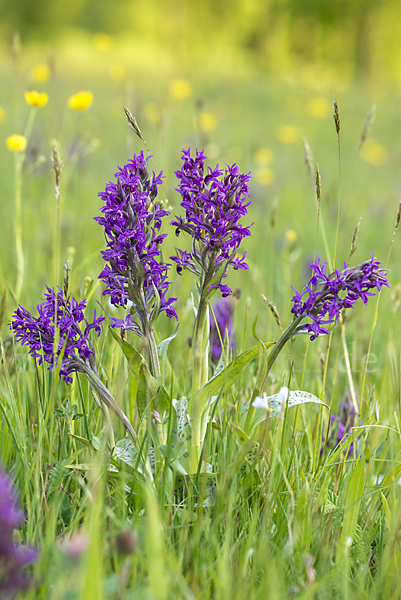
214, 200
59, 336
135, 274
317, 309
214, 203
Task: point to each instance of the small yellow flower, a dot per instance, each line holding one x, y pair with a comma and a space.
180, 89
41, 73
264, 157
117, 72
36, 99
2, 114
287, 134
374, 153
80, 100
207, 122
291, 236
103, 42
16, 143
318, 108
265, 176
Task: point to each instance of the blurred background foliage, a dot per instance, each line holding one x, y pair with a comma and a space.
354, 38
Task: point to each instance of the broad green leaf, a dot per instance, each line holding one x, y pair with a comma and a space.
162, 352
205, 490
295, 398
131, 354
225, 379
126, 452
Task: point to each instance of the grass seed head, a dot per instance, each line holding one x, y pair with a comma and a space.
336, 116
318, 185
273, 310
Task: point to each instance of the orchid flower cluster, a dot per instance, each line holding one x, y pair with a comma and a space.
136, 279
74, 351
214, 203
328, 294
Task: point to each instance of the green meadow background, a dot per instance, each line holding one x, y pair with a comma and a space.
248, 81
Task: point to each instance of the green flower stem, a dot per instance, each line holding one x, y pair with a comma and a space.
200, 377
19, 159
278, 346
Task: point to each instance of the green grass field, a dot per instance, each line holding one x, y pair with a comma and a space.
301, 518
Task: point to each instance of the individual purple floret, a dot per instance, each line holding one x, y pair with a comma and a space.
223, 311
327, 294
66, 314
135, 273
13, 557
214, 203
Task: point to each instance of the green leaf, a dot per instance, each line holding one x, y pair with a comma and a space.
201, 486
295, 398
126, 452
225, 379
131, 354
162, 352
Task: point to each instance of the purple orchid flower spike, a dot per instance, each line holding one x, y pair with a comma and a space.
214, 202
75, 350
135, 272
62, 318
326, 295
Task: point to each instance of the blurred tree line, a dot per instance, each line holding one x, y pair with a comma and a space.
359, 36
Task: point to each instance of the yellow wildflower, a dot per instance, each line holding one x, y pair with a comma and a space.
2, 114
287, 134
103, 42
319, 108
16, 143
180, 89
264, 157
265, 176
374, 153
36, 99
207, 122
80, 100
41, 73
